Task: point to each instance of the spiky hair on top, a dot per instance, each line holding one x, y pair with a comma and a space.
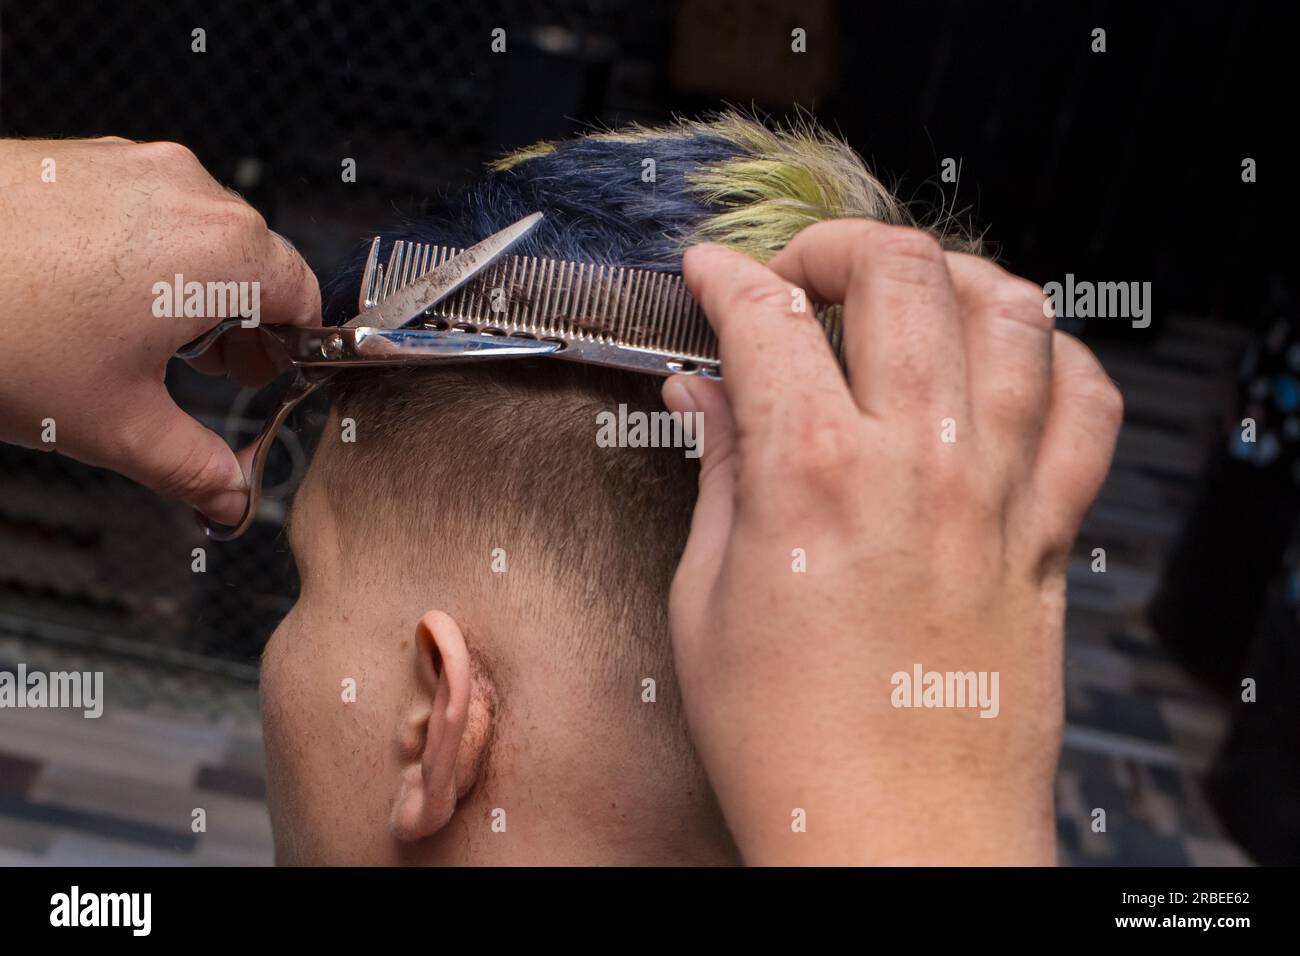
759, 185
727, 178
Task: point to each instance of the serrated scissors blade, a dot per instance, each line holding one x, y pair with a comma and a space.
411, 302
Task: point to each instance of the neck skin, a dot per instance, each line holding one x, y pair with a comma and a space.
639, 832
584, 776
583, 781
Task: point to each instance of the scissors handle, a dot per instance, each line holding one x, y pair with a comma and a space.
300, 386
374, 337
196, 347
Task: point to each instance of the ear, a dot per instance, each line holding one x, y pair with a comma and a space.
444, 731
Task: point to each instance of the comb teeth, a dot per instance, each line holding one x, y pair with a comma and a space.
604, 314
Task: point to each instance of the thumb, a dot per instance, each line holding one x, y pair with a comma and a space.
711, 523
177, 457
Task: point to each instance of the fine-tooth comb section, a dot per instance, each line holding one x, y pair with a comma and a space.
609, 315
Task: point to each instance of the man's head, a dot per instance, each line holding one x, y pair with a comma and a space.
479, 665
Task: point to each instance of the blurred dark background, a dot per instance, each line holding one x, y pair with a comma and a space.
1117, 166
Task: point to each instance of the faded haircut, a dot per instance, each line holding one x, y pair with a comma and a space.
452, 463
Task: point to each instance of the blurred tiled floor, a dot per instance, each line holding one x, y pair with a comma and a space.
1139, 732
123, 788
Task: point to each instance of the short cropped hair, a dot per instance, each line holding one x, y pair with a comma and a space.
503, 455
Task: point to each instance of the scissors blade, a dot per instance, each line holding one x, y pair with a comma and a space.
410, 303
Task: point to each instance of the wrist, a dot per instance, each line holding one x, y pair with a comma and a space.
928, 823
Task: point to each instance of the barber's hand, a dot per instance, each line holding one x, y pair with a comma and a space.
79, 342
935, 497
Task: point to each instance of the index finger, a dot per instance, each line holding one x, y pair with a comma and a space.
290, 292
287, 294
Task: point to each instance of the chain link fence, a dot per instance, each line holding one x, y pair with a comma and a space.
282, 95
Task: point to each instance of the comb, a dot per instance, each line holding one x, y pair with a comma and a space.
635, 319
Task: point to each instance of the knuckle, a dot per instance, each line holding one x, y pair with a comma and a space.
855, 231
167, 152
1025, 289
828, 452
239, 217
768, 296
1107, 401
903, 255
905, 242
1016, 291
1019, 300
1091, 387
982, 269
846, 231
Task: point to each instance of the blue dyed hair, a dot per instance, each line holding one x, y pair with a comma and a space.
597, 209
638, 196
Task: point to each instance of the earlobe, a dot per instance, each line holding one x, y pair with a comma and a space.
443, 732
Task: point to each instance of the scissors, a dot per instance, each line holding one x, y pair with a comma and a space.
375, 336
